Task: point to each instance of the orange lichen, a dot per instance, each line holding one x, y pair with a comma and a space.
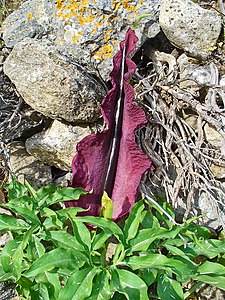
83, 12
30, 16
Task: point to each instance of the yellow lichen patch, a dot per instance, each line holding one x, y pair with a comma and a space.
30, 16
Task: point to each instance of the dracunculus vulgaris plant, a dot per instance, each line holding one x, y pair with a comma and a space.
111, 161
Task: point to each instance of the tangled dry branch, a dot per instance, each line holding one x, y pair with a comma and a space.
184, 160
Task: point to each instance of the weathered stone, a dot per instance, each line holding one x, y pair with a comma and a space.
191, 74
184, 23
57, 145
52, 86
27, 167
89, 30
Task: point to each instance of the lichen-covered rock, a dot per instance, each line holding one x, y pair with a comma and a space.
57, 145
51, 85
27, 167
190, 27
89, 30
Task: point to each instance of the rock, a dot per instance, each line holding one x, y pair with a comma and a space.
192, 75
51, 85
89, 30
207, 207
184, 23
57, 145
27, 167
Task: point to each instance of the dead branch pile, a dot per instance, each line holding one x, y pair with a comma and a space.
182, 156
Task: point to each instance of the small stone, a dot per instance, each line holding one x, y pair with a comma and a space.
191, 74
57, 145
184, 23
27, 167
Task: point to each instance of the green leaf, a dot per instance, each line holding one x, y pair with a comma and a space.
99, 240
52, 282
39, 291
11, 257
69, 212
9, 223
35, 249
133, 221
15, 189
101, 287
199, 231
24, 212
107, 225
210, 248
64, 240
149, 221
82, 234
148, 275
168, 288
79, 285
129, 284
60, 258
145, 237
65, 194
182, 268
211, 273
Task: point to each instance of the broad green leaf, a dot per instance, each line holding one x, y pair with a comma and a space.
23, 201
175, 251
168, 288
158, 261
99, 240
210, 248
133, 221
65, 194
9, 223
149, 221
30, 189
108, 226
199, 231
51, 280
15, 189
69, 212
129, 284
148, 275
81, 234
146, 236
40, 291
35, 249
57, 258
101, 287
79, 285
211, 273
24, 212
64, 240
11, 257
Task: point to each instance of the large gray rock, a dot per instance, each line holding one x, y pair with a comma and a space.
57, 145
27, 167
51, 85
89, 30
190, 27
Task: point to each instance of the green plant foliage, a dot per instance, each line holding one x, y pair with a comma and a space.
54, 255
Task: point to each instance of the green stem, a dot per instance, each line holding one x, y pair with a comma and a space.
138, 20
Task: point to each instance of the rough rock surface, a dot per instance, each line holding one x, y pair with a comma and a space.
57, 145
51, 85
90, 30
184, 23
27, 167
